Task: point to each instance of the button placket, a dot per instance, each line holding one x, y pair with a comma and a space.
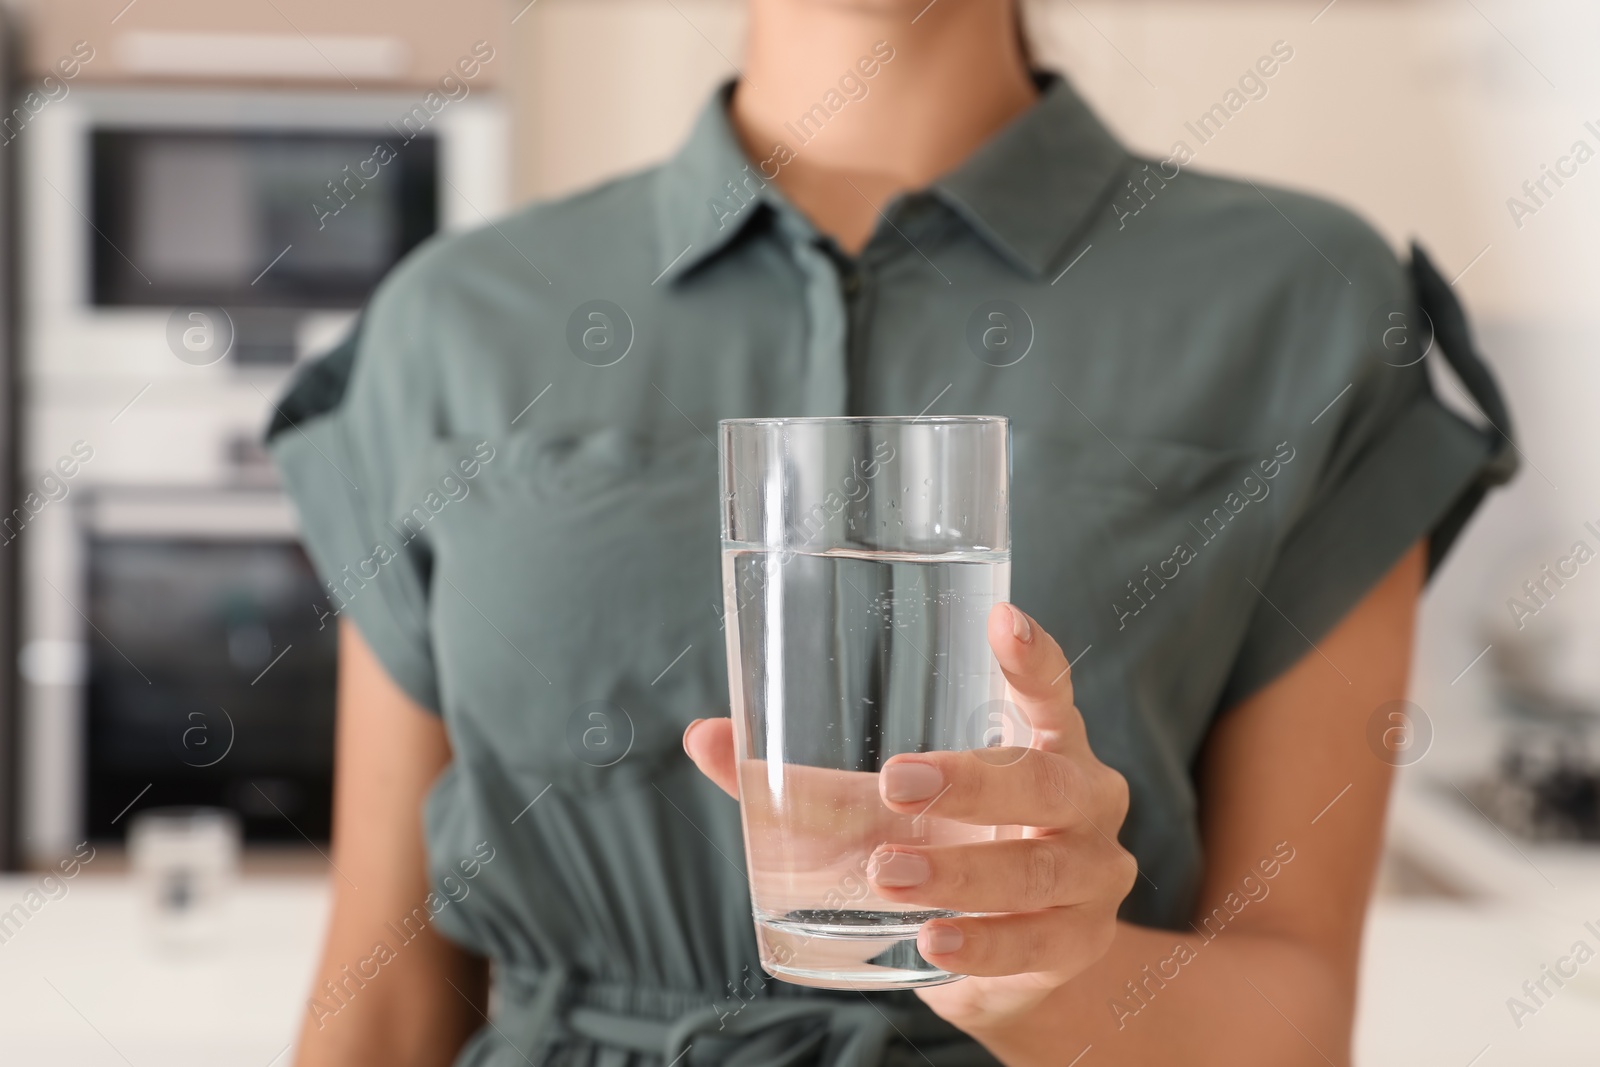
857, 290
826, 384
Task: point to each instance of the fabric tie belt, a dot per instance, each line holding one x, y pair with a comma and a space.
540, 1010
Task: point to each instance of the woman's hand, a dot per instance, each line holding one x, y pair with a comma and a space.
1047, 899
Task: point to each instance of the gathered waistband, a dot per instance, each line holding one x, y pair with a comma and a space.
540, 1009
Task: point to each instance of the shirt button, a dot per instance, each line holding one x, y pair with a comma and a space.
851, 284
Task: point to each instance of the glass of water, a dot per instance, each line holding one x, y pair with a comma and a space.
860, 560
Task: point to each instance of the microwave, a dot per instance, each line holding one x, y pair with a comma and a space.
252, 218
279, 208
266, 223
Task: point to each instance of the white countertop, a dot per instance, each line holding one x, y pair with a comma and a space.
1437, 975
118, 1000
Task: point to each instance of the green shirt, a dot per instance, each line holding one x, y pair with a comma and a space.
1223, 436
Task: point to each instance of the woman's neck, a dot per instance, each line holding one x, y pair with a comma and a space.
847, 103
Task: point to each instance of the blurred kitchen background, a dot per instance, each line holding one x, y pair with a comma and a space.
149, 529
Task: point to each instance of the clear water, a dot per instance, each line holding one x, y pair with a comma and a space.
843, 660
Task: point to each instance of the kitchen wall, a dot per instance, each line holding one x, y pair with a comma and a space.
352, 43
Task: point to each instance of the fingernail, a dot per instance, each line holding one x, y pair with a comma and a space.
898, 870
937, 939
686, 730
905, 782
1021, 629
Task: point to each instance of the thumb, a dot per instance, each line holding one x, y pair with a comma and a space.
709, 742
1038, 678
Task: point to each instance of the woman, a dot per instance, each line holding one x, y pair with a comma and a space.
1231, 479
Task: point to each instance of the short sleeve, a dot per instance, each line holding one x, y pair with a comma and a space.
1401, 467
341, 437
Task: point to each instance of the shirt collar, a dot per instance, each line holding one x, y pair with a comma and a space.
1027, 191
708, 193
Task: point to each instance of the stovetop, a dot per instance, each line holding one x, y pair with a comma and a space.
1549, 795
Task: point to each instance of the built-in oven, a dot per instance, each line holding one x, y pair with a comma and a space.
182, 251
208, 674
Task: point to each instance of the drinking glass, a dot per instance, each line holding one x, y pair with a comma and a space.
186, 859
860, 560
